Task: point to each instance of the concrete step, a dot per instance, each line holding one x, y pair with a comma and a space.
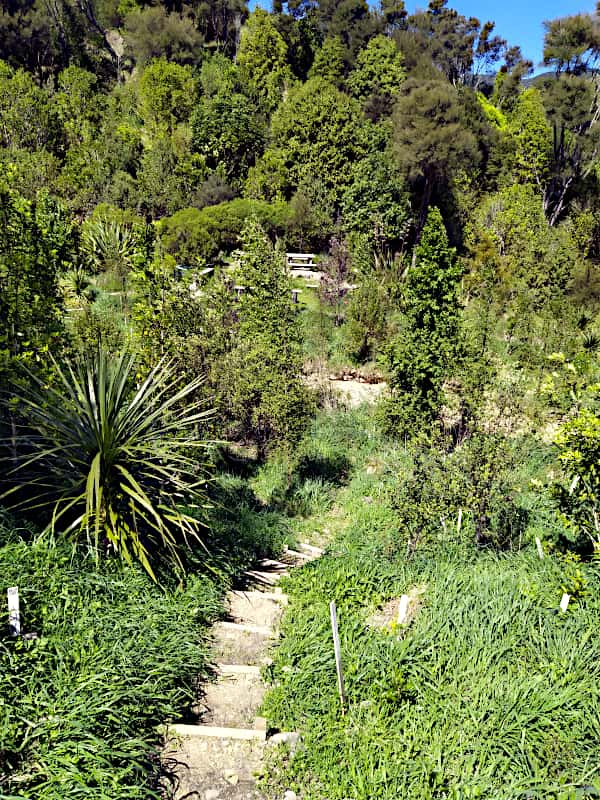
214, 768
314, 552
263, 578
233, 700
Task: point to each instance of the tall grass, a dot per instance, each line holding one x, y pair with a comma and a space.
489, 693
114, 657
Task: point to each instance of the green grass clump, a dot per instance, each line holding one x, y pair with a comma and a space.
489, 693
115, 657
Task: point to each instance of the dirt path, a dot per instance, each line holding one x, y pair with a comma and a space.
220, 757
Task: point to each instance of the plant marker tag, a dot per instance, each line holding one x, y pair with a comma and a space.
14, 616
459, 520
540, 549
403, 609
338, 655
564, 603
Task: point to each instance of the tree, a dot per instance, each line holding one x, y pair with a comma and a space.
573, 111
36, 245
153, 32
166, 95
532, 138
262, 60
460, 47
317, 133
578, 496
329, 63
377, 76
228, 133
376, 204
572, 44
259, 391
428, 349
430, 138
109, 457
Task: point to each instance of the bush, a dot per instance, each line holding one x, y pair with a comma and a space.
191, 234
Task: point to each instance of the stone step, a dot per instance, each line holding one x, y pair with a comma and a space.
315, 552
295, 555
217, 732
235, 644
238, 669
256, 608
233, 700
271, 565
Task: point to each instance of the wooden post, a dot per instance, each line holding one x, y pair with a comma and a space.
459, 521
14, 615
564, 603
338, 655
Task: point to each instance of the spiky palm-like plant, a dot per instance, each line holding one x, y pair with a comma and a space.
105, 456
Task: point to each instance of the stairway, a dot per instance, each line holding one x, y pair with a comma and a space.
219, 757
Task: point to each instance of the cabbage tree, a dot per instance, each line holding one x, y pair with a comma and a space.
111, 457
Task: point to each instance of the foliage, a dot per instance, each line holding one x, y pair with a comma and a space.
365, 326
36, 246
376, 203
407, 731
577, 496
428, 347
377, 76
316, 134
228, 133
430, 137
166, 94
192, 235
531, 133
259, 391
101, 458
262, 60
115, 657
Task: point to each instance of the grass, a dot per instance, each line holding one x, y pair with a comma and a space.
115, 656
489, 693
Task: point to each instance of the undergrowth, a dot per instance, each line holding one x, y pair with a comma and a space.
490, 692
114, 655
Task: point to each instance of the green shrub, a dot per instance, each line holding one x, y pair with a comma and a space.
192, 235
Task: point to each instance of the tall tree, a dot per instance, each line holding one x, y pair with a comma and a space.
262, 60
430, 138
427, 349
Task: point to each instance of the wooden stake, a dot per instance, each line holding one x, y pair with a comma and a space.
564, 603
338, 655
14, 614
459, 521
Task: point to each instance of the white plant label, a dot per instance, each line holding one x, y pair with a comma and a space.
564, 603
14, 615
540, 549
403, 609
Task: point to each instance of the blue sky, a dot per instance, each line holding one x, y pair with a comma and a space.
518, 21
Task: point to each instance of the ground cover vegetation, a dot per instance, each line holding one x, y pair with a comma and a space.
166, 404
